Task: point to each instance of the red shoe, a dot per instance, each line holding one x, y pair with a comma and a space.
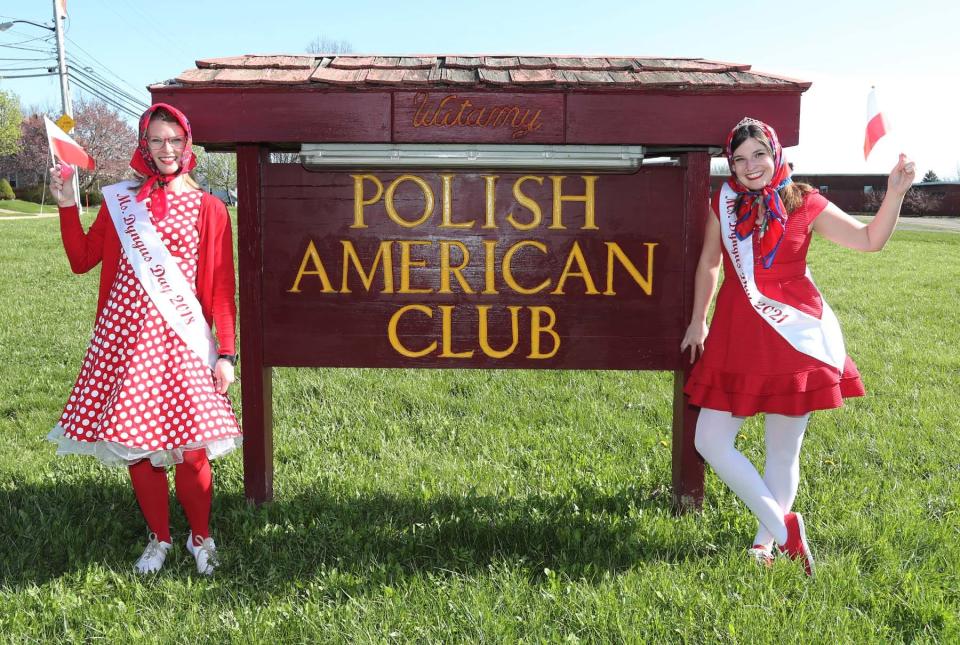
796, 546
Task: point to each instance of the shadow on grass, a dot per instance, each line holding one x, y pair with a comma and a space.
361, 540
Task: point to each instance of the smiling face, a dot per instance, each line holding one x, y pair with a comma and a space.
752, 163
166, 142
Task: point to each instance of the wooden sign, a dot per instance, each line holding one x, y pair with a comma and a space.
472, 269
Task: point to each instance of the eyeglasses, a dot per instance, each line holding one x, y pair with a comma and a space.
177, 143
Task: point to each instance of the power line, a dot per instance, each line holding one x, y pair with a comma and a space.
97, 61
105, 98
105, 94
106, 86
78, 65
26, 49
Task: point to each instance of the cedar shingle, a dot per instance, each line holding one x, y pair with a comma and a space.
220, 63
385, 76
532, 76
385, 62
198, 76
536, 62
352, 62
659, 78
494, 76
338, 76
281, 62
622, 78
501, 62
416, 76
266, 76
569, 62
621, 64
462, 62
591, 77
457, 76
418, 62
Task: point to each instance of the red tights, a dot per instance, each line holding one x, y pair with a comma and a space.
194, 484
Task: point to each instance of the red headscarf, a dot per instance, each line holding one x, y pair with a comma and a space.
775, 221
142, 161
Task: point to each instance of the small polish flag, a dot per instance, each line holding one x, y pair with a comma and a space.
66, 149
61, 8
876, 126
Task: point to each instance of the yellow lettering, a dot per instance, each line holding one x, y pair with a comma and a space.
526, 201
588, 198
311, 256
427, 199
490, 273
484, 332
576, 255
446, 269
350, 255
359, 202
508, 270
490, 192
406, 263
537, 328
614, 251
395, 340
446, 205
447, 333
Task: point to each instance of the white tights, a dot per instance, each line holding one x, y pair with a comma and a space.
771, 496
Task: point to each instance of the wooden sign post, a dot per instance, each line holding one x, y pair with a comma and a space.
453, 263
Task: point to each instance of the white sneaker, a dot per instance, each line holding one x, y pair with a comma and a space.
204, 551
153, 556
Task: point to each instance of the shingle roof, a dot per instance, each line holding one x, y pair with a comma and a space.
517, 72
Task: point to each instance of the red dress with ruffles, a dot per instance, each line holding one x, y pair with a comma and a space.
746, 366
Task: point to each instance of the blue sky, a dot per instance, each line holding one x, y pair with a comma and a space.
909, 50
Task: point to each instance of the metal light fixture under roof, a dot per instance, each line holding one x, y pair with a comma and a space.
613, 158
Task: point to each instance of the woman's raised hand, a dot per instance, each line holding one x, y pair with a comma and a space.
61, 185
902, 176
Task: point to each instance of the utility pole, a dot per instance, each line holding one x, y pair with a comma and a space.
62, 57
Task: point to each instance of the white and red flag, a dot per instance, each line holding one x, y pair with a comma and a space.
65, 148
61, 8
876, 126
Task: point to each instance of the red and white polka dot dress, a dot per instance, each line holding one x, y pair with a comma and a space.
141, 392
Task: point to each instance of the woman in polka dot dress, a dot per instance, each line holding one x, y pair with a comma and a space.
144, 399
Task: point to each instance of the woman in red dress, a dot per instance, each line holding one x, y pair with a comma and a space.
774, 344
145, 398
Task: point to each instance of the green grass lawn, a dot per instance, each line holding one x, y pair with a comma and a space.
20, 207
497, 506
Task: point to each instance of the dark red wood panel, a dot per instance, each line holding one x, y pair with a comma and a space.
640, 213
484, 117
687, 465
678, 119
230, 116
257, 381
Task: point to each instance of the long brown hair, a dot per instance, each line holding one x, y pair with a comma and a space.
792, 194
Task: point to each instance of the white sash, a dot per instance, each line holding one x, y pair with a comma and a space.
820, 338
158, 271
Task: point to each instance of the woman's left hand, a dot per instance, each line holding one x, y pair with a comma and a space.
223, 376
902, 176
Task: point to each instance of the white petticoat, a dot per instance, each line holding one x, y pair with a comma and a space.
112, 453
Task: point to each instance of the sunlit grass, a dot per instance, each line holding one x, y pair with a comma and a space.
497, 505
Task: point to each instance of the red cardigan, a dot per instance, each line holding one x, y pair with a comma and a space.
216, 286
